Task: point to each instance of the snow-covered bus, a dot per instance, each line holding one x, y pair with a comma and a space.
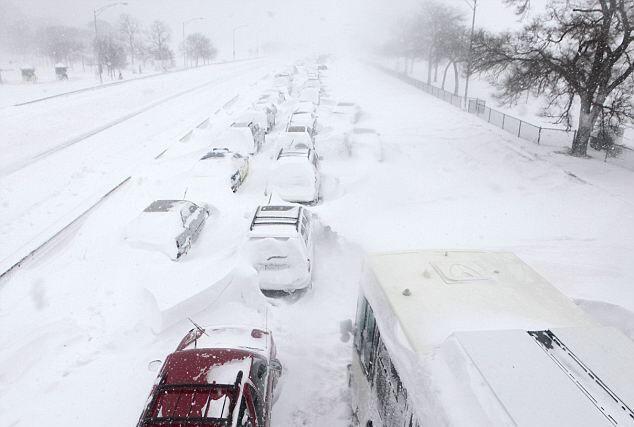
479, 338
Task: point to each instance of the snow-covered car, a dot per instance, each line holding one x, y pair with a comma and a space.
269, 108
256, 132
258, 117
305, 107
295, 141
283, 79
295, 176
348, 110
280, 247
218, 376
168, 226
310, 95
217, 171
365, 143
299, 120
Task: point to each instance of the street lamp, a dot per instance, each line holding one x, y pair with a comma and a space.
234, 39
95, 13
200, 18
473, 4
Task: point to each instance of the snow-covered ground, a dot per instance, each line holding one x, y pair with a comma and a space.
82, 318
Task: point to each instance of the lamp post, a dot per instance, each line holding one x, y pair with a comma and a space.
234, 39
95, 13
200, 18
473, 4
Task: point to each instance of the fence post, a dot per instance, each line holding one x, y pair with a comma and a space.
519, 130
539, 136
503, 119
489, 119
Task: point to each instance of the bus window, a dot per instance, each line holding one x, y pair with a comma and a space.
369, 336
360, 320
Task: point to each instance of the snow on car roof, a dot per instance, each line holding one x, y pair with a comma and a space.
164, 205
436, 293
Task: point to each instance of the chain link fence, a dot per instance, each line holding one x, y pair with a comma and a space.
520, 128
552, 137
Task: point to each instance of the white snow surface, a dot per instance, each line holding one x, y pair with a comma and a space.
81, 319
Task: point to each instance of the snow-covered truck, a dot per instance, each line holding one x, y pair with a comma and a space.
480, 339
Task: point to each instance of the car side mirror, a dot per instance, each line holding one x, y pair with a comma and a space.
154, 365
276, 366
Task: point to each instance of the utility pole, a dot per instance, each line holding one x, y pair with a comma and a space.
96, 13
473, 4
234, 39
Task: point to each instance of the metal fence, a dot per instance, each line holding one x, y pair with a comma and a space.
520, 128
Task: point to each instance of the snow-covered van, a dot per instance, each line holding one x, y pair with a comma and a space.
295, 175
280, 247
480, 339
218, 376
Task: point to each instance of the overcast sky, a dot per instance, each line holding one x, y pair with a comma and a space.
325, 24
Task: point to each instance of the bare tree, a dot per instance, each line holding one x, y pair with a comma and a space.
111, 53
60, 43
130, 28
197, 46
427, 29
159, 36
454, 48
577, 50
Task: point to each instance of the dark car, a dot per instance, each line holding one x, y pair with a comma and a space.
223, 376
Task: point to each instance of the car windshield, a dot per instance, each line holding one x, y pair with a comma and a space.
180, 402
296, 129
215, 154
161, 206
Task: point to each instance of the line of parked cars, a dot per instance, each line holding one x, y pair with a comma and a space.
227, 375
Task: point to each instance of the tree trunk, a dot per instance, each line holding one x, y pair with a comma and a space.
456, 79
436, 72
132, 50
444, 75
429, 64
587, 118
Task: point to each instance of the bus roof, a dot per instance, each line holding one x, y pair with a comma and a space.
496, 342
436, 293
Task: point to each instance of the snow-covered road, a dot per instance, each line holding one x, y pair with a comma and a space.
81, 320
49, 191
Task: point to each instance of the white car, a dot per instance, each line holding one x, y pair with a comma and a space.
306, 107
218, 171
295, 176
258, 117
280, 247
310, 95
239, 138
365, 143
305, 120
294, 141
167, 226
348, 110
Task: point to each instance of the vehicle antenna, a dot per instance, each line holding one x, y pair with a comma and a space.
200, 328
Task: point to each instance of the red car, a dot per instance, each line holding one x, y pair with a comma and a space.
218, 376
